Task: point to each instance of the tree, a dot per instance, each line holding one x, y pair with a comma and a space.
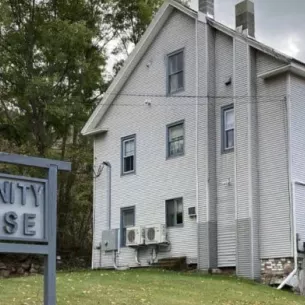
129, 20
51, 68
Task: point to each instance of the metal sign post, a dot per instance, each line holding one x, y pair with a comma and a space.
28, 213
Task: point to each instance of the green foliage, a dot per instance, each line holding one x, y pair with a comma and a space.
51, 77
51, 68
147, 287
129, 20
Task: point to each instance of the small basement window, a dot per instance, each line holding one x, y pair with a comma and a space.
174, 212
127, 221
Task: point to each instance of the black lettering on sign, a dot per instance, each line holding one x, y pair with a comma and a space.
11, 226
28, 224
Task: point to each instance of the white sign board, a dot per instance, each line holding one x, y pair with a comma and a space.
22, 208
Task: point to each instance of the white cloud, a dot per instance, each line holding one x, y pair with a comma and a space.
290, 46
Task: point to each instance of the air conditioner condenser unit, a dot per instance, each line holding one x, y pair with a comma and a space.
155, 234
135, 236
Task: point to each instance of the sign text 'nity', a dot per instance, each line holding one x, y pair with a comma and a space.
22, 208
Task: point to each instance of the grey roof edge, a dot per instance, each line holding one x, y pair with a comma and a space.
253, 42
291, 68
132, 61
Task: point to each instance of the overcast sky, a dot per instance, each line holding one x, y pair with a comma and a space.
279, 23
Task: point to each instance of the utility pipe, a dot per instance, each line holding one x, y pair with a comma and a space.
197, 120
295, 248
106, 163
137, 256
115, 266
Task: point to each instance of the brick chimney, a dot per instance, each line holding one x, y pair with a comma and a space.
206, 7
245, 20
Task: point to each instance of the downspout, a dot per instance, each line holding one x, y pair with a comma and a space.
290, 276
250, 118
291, 187
93, 220
109, 193
115, 266
235, 151
196, 128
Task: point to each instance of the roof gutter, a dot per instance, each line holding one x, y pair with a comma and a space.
95, 132
293, 68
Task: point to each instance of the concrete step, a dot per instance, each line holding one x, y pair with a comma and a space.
172, 263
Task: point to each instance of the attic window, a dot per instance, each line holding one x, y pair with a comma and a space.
175, 72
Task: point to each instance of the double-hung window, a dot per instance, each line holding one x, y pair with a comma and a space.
127, 221
174, 212
175, 139
228, 120
175, 72
128, 154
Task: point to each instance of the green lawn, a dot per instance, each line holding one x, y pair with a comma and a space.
145, 287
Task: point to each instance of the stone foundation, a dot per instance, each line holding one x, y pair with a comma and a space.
275, 270
20, 266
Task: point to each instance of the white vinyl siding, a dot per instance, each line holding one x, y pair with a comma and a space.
226, 222
157, 178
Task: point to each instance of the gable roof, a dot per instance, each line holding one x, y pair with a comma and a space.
150, 34
119, 81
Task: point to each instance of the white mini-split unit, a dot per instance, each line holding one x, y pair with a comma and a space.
149, 235
155, 234
135, 236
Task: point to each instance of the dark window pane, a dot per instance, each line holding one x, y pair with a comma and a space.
173, 83
129, 148
180, 80
230, 138
173, 64
229, 119
176, 140
180, 61
175, 132
179, 218
176, 147
128, 218
123, 237
128, 164
174, 212
179, 209
170, 213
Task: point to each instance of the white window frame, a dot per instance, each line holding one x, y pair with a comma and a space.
225, 110
168, 127
169, 56
123, 156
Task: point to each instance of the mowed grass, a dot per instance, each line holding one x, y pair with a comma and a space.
144, 287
